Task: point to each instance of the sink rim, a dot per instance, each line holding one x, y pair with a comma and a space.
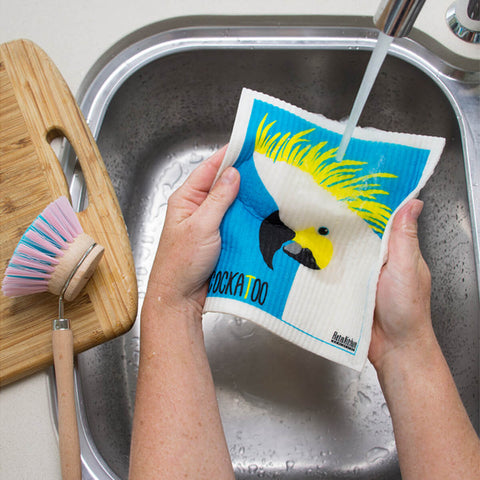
454, 83
104, 79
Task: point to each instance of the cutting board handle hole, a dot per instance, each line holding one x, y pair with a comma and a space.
71, 167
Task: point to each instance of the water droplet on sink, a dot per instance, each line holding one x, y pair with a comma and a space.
252, 468
241, 328
290, 464
141, 271
377, 453
147, 239
195, 158
364, 399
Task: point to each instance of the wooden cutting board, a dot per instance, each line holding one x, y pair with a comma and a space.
36, 106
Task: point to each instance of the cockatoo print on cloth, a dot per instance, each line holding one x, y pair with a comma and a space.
304, 242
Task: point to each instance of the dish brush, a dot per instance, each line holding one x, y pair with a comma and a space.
55, 255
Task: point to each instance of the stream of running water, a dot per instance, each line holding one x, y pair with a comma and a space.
376, 60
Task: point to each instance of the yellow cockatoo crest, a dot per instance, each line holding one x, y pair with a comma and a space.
344, 180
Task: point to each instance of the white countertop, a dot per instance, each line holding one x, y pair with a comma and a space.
75, 35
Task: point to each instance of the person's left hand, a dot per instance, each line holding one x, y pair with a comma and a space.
190, 242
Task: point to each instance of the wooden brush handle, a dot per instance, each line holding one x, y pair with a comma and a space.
62, 341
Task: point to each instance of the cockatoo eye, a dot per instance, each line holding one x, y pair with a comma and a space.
323, 231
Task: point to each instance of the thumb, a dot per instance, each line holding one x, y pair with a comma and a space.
219, 199
403, 243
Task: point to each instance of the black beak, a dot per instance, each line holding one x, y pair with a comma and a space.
273, 234
302, 255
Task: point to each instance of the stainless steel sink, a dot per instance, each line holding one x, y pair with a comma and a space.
164, 100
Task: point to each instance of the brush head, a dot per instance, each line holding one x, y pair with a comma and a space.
48, 252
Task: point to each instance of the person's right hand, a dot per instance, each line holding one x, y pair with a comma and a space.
414, 376
190, 242
402, 313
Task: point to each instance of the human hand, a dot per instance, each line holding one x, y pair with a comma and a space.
190, 242
175, 399
402, 314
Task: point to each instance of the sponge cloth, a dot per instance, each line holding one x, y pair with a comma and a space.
304, 242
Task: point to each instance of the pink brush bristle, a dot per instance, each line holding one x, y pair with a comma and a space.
37, 252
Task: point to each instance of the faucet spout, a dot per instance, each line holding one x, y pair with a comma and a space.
396, 17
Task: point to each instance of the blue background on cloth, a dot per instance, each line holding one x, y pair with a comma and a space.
241, 243
241, 224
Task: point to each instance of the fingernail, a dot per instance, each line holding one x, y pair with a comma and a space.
229, 175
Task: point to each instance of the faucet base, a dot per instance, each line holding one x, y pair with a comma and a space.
463, 26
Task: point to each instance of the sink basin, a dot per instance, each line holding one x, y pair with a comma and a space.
162, 103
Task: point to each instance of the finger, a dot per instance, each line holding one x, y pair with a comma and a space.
403, 244
217, 158
187, 198
201, 179
219, 199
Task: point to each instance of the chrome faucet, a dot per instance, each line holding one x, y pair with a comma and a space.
463, 17
396, 17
